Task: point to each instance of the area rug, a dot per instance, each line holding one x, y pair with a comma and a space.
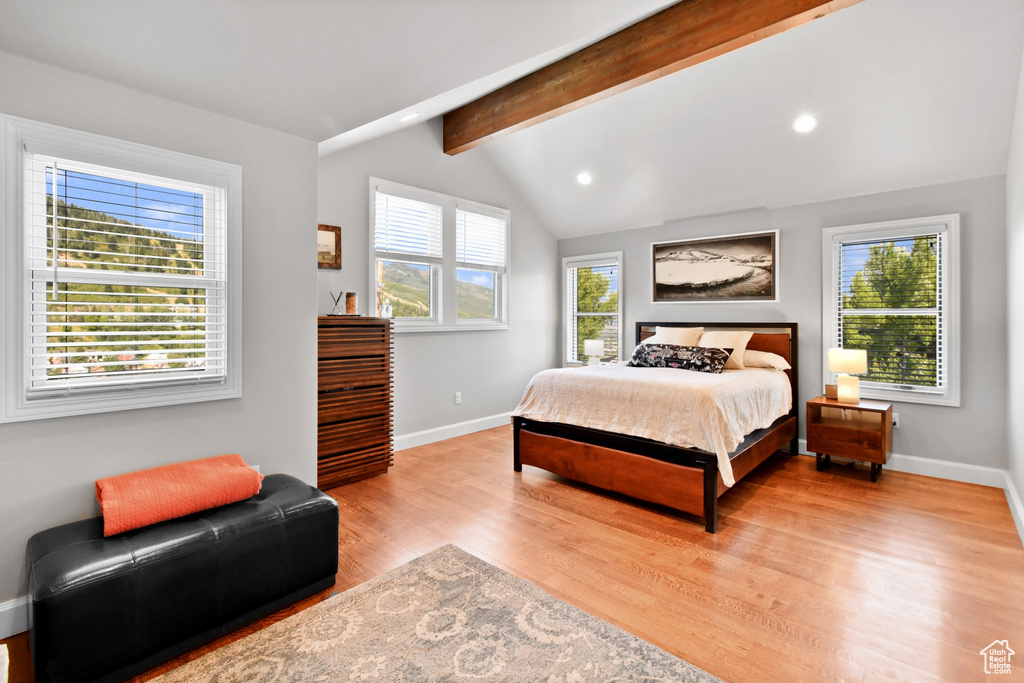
446, 616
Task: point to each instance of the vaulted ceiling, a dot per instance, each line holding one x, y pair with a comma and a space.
907, 92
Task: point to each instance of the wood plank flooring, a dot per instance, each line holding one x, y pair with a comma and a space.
813, 576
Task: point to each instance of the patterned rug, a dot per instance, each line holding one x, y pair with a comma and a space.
445, 616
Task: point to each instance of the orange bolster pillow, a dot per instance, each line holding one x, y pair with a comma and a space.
138, 499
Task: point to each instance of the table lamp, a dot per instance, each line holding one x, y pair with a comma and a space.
593, 349
848, 362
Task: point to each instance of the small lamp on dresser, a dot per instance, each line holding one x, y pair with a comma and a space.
848, 362
593, 349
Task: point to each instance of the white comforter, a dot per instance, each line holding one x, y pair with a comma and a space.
679, 407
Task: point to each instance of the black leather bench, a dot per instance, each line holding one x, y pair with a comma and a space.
105, 609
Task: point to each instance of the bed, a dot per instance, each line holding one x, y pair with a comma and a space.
688, 478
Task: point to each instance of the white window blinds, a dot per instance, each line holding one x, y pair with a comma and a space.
406, 228
126, 279
479, 240
437, 262
892, 292
889, 304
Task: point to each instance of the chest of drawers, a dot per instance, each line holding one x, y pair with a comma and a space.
354, 385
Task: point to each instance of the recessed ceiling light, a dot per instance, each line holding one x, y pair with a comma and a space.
805, 123
584, 178
409, 117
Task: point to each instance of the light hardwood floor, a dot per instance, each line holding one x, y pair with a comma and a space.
813, 576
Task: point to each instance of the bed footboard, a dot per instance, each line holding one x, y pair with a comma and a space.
682, 479
691, 487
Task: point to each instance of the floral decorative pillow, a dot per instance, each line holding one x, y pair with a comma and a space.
697, 358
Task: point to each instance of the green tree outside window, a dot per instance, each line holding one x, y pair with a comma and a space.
890, 309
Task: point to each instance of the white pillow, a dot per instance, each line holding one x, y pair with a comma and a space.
764, 359
735, 340
679, 336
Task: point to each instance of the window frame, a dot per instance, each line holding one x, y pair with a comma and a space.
500, 272
20, 135
568, 300
444, 275
948, 302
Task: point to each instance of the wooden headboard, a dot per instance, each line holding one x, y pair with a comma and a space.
779, 338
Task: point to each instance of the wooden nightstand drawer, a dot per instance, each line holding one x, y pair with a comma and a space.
846, 443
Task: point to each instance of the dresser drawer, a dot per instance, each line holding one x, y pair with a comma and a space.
339, 437
349, 404
350, 341
335, 470
353, 372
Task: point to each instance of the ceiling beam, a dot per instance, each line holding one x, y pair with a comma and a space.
687, 33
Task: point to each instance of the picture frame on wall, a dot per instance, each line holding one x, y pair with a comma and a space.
328, 246
721, 269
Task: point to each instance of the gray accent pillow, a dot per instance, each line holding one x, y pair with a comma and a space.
697, 358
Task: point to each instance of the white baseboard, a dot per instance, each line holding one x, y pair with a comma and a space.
1016, 507
956, 471
942, 469
13, 616
451, 431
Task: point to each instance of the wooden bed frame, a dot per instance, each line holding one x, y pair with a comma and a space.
685, 479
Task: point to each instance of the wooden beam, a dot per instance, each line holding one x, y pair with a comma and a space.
679, 36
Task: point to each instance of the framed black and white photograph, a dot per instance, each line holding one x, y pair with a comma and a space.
727, 268
328, 246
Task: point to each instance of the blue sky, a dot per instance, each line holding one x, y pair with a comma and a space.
477, 277
173, 211
855, 255
612, 273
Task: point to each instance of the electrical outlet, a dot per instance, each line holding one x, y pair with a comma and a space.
458, 397
895, 420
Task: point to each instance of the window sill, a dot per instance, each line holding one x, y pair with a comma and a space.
402, 327
18, 410
898, 396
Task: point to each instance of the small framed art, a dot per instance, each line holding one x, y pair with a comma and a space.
328, 246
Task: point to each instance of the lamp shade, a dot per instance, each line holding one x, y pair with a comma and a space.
593, 347
849, 361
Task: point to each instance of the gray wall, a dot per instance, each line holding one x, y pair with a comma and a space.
1015, 295
48, 467
490, 368
974, 433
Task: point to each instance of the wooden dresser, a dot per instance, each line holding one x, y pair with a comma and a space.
354, 383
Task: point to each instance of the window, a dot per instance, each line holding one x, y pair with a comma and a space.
892, 290
128, 261
439, 263
593, 304
480, 263
407, 240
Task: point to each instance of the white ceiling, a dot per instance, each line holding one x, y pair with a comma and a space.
908, 92
314, 68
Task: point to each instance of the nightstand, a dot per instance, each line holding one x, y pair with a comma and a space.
859, 431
